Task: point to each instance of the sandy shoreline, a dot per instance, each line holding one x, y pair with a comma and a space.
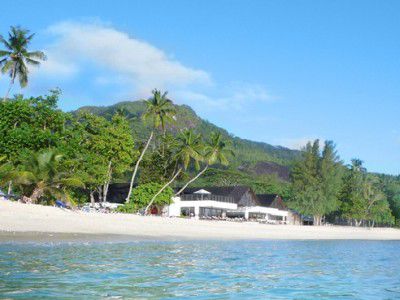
20, 222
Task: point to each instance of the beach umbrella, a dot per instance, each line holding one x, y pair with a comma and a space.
202, 192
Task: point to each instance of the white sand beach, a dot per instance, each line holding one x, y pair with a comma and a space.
17, 218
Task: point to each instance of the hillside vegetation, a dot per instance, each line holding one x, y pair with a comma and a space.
252, 158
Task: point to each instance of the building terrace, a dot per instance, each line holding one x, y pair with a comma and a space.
231, 202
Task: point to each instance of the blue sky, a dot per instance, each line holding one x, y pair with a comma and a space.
282, 72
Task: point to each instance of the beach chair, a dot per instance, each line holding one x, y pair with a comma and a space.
61, 204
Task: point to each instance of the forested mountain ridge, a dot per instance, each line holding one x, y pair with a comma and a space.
255, 158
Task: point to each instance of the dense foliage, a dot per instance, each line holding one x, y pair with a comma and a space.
41, 176
323, 187
362, 198
317, 181
247, 153
248, 166
142, 195
90, 148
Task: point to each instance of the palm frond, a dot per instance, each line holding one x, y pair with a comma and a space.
72, 182
5, 53
3, 61
16, 55
22, 73
23, 177
5, 43
36, 55
7, 67
32, 62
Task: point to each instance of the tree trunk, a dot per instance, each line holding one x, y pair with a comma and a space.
36, 194
137, 166
100, 192
91, 194
163, 142
11, 84
9, 190
317, 220
107, 182
160, 191
191, 180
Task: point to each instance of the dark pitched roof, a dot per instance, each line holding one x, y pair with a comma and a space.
236, 192
266, 199
271, 200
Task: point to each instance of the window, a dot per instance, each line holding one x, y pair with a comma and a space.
210, 212
187, 211
256, 216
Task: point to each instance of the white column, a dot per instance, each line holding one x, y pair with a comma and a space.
246, 214
196, 211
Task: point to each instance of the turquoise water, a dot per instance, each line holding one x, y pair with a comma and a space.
201, 270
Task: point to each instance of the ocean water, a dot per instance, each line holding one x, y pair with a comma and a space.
201, 270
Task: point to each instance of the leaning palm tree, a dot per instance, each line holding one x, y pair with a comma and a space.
160, 111
15, 58
215, 151
188, 150
41, 174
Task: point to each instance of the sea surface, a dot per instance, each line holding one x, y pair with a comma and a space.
201, 270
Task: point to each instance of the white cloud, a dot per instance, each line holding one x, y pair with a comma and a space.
114, 65
143, 65
52, 66
234, 96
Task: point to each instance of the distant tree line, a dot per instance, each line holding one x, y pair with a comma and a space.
324, 188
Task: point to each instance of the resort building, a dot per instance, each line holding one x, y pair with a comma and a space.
274, 201
267, 206
211, 202
231, 202
201, 204
220, 202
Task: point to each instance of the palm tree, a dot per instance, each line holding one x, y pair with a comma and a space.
14, 59
159, 110
124, 112
188, 149
357, 165
41, 173
215, 151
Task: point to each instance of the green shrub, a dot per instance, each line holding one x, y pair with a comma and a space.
141, 197
144, 192
128, 208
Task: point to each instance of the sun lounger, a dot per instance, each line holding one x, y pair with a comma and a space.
61, 204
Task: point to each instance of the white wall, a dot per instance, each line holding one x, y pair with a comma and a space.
174, 209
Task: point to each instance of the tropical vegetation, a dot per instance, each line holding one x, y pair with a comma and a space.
160, 149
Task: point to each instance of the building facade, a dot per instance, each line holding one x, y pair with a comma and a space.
230, 202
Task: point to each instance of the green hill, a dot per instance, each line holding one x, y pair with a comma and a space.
253, 160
